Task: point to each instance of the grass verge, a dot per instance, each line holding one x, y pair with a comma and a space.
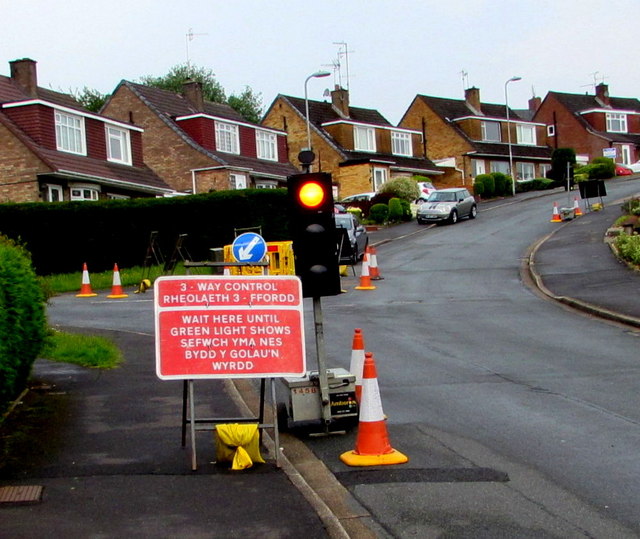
83, 350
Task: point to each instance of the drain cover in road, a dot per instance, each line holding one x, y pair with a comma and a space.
21, 495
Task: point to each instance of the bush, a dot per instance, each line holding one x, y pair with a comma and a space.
379, 213
395, 210
22, 319
478, 187
560, 157
402, 187
489, 184
631, 206
537, 184
500, 181
407, 214
629, 248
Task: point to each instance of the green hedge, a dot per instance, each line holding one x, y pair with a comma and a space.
63, 235
22, 319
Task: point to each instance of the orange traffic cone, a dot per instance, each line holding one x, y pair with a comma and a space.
373, 266
357, 361
555, 218
85, 288
365, 279
372, 441
576, 207
116, 289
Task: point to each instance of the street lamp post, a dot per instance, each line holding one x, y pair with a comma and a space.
315, 75
506, 101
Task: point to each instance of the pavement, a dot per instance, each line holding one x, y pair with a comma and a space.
106, 459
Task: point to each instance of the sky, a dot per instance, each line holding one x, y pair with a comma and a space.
384, 52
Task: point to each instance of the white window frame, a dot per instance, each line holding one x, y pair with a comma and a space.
477, 167
118, 144
55, 189
625, 152
84, 192
544, 168
266, 184
616, 122
70, 133
526, 134
380, 176
485, 135
266, 145
227, 138
524, 170
237, 181
364, 138
401, 143
551, 130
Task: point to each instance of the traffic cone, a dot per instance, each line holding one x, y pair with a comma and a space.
357, 361
116, 289
555, 218
576, 207
85, 288
372, 440
374, 272
365, 279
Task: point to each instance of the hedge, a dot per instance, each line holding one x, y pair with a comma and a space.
64, 235
22, 319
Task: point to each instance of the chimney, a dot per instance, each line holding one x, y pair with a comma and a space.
472, 98
534, 104
25, 74
192, 91
602, 94
340, 101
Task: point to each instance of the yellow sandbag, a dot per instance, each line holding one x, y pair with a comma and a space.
238, 444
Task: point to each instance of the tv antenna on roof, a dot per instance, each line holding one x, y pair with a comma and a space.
189, 37
343, 51
465, 80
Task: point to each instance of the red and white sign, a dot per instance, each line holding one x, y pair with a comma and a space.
229, 327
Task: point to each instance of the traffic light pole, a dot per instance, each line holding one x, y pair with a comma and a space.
322, 363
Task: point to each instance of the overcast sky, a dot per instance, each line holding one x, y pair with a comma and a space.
396, 49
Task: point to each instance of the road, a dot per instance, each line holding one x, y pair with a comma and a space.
481, 377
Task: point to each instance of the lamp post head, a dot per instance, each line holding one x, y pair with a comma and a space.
513, 79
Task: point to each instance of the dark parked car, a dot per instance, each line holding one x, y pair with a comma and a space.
352, 237
447, 205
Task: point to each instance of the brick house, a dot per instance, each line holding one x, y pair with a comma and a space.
470, 137
197, 146
52, 149
593, 125
357, 146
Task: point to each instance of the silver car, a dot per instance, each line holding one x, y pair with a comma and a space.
447, 206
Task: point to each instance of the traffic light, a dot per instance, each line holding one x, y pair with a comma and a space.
312, 228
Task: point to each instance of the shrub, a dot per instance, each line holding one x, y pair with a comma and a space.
402, 187
560, 157
629, 248
603, 168
500, 181
356, 211
395, 210
407, 214
22, 319
379, 213
478, 187
537, 184
631, 206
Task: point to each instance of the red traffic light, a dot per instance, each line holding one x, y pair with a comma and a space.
311, 194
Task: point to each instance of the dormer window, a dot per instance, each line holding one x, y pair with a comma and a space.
616, 122
118, 145
70, 133
227, 138
491, 131
266, 145
401, 144
526, 134
364, 139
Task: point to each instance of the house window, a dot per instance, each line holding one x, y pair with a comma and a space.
526, 134
525, 171
266, 185
114, 196
54, 193
227, 138
544, 168
266, 145
491, 131
238, 181
477, 167
84, 193
500, 166
551, 130
379, 178
401, 144
118, 146
70, 133
616, 122
364, 139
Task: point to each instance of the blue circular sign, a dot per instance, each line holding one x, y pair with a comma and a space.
249, 247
